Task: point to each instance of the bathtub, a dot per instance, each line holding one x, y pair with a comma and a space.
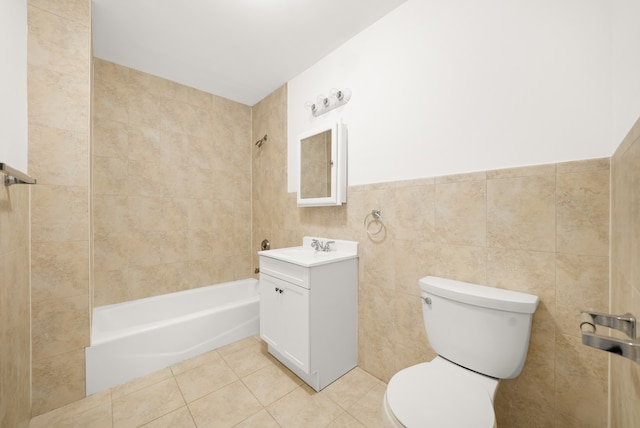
136, 338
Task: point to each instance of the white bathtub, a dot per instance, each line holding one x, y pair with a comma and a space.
136, 338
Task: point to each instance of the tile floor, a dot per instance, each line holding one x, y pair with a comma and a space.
239, 385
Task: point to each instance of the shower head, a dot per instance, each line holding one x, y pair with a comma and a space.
261, 141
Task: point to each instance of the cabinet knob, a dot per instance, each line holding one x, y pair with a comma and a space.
277, 289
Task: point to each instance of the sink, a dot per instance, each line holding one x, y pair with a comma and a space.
307, 256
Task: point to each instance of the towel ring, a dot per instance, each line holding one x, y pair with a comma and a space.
376, 217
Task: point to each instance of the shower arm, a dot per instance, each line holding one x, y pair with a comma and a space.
261, 141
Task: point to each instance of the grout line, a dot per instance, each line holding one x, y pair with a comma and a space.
184, 399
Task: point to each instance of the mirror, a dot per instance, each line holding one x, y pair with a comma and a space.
315, 163
322, 164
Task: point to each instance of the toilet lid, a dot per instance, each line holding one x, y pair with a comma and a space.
427, 396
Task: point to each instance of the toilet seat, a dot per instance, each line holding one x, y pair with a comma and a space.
434, 395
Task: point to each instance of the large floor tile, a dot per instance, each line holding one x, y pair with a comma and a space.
271, 383
248, 359
351, 387
147, 404
140, 383
94, 411
262, 419
225, 408
180, 418
304, 407
345, 420
368, 410
206, 378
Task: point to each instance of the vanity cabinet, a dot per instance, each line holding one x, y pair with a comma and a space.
308, 315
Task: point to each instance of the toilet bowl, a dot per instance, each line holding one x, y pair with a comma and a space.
439, 394
481, 335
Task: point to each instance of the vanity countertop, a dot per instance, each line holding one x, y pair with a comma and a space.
307, 256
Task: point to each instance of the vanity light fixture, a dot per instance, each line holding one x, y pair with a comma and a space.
325, 104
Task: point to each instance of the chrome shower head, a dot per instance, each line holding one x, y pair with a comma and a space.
261, 141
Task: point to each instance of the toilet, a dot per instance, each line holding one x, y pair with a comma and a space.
481, 335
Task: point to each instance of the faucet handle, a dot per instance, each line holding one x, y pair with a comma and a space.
327, 245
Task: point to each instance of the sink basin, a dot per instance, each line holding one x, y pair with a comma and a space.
307, 256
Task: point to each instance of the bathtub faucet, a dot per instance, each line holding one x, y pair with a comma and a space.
321, 246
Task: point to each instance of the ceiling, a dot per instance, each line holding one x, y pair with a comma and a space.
238, 49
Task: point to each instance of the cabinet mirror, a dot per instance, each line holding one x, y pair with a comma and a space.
322, 164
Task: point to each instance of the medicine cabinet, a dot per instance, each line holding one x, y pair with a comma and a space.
322, 163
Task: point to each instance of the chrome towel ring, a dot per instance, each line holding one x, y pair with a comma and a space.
375, 216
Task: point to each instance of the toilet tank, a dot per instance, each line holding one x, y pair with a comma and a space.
482, 328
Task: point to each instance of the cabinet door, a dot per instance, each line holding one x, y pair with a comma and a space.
284, 319
295, 318
270, 329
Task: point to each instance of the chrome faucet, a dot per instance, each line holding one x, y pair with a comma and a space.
321, 246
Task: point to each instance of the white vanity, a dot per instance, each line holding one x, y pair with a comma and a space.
309, 308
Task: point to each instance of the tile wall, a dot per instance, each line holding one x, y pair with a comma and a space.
171, 186
269, 171
15, 307
59, 58
541, 229
625, 272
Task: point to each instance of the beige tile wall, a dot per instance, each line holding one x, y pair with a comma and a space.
59, 56
269, 198
541, 229
625, 272
171, 186
15, 307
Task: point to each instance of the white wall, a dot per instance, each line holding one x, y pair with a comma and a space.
626, 68
13, 83
442, 87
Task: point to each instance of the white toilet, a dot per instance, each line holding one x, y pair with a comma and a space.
481, 335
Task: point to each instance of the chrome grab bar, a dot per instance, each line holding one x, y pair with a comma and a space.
625, 348
13, 176
625, 323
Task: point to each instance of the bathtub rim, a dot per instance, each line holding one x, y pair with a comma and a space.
100, 337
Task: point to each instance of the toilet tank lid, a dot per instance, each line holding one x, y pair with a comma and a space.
480, 295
